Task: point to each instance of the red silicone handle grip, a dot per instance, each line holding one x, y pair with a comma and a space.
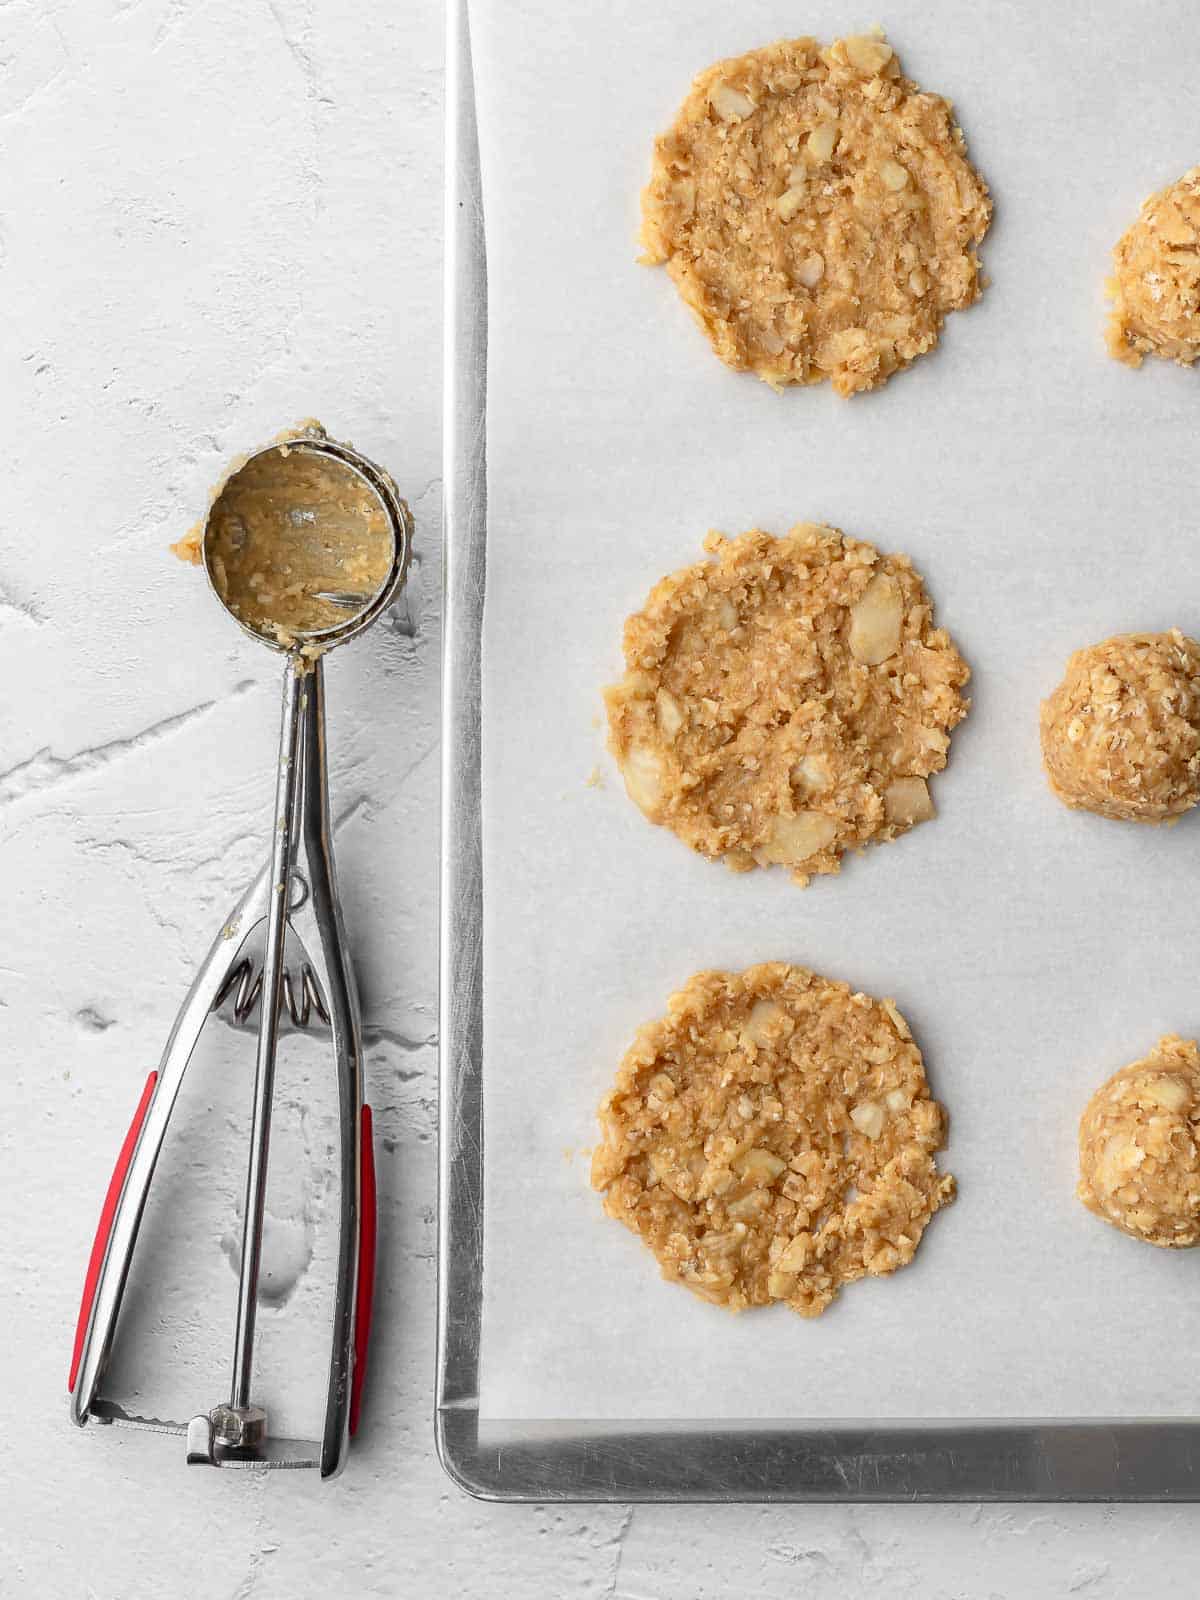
365, 1292
104, 1227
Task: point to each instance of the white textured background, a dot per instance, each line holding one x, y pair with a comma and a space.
216, 218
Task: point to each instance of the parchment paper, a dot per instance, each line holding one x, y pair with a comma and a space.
1048, 496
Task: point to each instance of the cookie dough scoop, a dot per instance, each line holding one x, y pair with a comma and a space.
306, 544
1139, 1147
1121, 732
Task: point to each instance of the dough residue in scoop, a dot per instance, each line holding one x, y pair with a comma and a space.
786, 701
1121, 732
286, 526
1155, 285
292, 524
772, 1138
817, 212
1139, 1162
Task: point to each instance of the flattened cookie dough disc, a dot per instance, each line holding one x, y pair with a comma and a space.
817, 213
1121, 733
1155, 286
786, 701
772, 1138
1139, 1163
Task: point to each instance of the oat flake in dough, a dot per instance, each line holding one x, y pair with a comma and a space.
772, 1138
1139, 1160
817, 212
786, 700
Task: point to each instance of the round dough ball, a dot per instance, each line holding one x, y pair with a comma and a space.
1155, 286
817, 213
1139, 1164
786, 701
772, 1138
1121, 733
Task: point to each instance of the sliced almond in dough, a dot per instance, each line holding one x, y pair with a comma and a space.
794, 839
876, 621
763, 1021
812, 775
821, 141
642, 772
908, 801
730, 104
795, 1256
867, 53
670, 713
868, 1117
1170, 1093
789, 203
759, 1167
811, 270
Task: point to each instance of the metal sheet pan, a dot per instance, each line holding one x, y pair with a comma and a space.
725, 1457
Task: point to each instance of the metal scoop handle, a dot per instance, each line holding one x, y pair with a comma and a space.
314, 914
286, 790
